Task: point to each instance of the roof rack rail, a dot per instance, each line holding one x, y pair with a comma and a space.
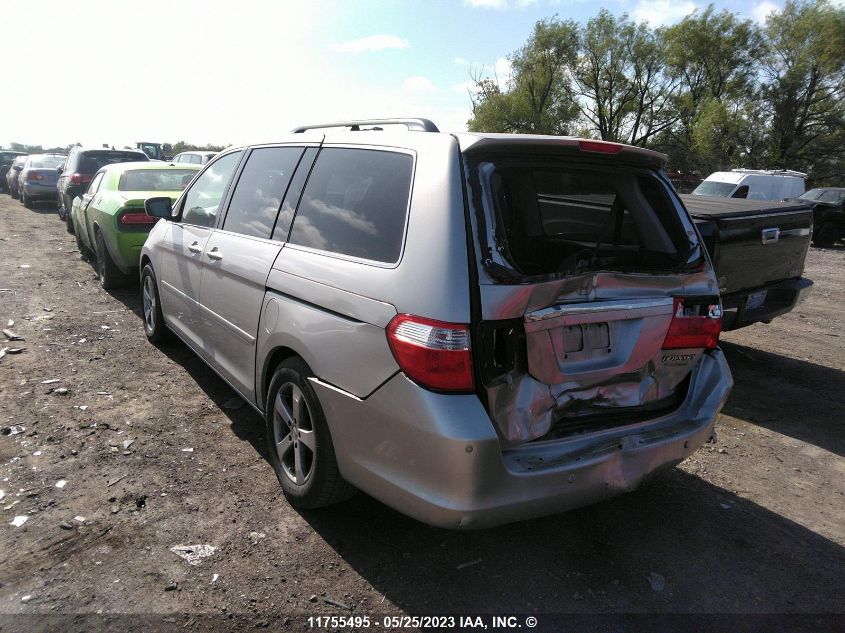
413, 125
771, 172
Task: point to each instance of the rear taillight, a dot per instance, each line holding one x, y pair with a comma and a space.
33, 175
136, 217
694, 325
80, 179
602, 147
432, 353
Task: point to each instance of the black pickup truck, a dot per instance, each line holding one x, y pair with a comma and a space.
758, 248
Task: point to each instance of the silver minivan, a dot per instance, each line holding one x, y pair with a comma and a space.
472, 328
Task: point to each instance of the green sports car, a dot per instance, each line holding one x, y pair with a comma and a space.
109, 218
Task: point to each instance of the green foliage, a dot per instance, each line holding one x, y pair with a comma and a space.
713, 91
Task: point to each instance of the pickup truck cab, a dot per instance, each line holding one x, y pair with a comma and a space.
753, 184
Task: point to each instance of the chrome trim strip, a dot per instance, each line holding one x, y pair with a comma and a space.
596, 306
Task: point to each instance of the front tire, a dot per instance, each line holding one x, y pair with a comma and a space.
108, 272
299, 441
13, 193
63, 213
68, 222
825, 235
154, 326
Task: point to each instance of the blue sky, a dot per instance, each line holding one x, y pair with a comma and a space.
237, 72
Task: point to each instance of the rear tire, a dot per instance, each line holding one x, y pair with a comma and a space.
60, 208
108, 272
826, 235
154, 326
25, 200
298, 438
69, 223
13, 193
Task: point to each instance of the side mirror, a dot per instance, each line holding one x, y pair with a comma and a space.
160, 207
59, 169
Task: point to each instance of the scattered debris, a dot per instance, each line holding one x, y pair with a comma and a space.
657, 582
141, 501
256, 536
47, 309
114, 481
59, 391
10, 323
214, 577
127, 444
79, 519
313, 598
24, 266
335, 603
187, 450
65, 525
15, 429
726, 506
26, 598
233, 403
51, 381
172, 586
36, 454
104, 393
12, 336
2, 494
14, 350
469, 563
19, 520
193, 553
61, 483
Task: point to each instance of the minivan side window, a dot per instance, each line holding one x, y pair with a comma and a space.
742, 192
202, 200
355, 203
260, 189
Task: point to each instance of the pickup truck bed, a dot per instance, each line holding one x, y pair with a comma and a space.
758, 248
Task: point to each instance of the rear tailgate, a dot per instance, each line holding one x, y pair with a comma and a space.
757, 243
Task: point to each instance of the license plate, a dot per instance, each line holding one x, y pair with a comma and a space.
756, 300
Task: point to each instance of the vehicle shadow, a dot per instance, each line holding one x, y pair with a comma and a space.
793, 397
42, 207
677, 545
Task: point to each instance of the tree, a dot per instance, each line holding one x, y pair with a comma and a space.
804, 72
538, 98
714, 57
624, 93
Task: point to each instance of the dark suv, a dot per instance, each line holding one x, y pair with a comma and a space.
82, 164
6, 158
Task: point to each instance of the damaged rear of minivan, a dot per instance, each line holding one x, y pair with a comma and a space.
596, 315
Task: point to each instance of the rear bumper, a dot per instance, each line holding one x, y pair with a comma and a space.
437, 458
38, 191
781, 297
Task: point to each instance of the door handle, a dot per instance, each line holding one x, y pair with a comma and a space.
195, 248
214, 254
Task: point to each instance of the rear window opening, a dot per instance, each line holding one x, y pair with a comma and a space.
558, 218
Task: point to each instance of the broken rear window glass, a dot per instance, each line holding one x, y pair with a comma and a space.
557, 217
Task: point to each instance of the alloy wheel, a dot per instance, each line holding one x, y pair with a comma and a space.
149, 300
293, 432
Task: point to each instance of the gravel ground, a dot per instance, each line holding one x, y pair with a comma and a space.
154, 454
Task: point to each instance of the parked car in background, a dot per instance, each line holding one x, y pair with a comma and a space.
37, 180
194, 158
12, 175
7, 157
534, 329
109, 219
828, 214
754, 184
758, 249
154, 151
82, 164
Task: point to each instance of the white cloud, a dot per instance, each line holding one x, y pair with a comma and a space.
660, 12
371, 43
504, 71
461, 61
762, 9
486, 4
419, 85
464, 87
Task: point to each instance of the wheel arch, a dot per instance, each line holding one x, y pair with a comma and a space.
271, 363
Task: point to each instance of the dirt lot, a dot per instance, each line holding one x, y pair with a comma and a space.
154, 458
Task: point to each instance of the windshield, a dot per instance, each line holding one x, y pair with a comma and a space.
47, 162
824, 195
155, 179
714, 188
